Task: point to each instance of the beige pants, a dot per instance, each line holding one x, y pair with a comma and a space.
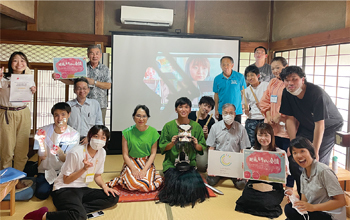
14, 138
103, 110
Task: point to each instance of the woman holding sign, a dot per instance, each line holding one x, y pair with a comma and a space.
84, 164
321, 194
259, 197
15, 120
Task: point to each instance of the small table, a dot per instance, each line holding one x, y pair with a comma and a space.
5, 188
343, 178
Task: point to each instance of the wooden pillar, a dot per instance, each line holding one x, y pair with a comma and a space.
347, 15
99, 20
34, 26
190, 16
270, 53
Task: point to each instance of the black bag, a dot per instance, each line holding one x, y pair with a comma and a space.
31, 168
266, 204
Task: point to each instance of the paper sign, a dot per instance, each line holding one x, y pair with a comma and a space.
265, 165
227, 164
20, 87
69, 67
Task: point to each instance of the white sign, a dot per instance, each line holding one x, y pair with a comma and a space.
227, 164
20, 87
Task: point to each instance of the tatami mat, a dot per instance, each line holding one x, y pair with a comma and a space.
222, 206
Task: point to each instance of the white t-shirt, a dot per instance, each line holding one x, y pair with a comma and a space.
254, 112
74, 162
67, 140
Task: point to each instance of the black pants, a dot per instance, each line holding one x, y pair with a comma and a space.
292, 214
237, 118
75, 203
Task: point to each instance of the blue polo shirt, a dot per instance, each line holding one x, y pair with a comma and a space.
229, 90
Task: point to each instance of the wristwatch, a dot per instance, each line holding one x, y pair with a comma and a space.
95, 83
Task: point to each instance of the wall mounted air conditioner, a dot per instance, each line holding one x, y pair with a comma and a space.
146, 16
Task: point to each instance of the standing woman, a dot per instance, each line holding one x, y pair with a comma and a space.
15, 120
70, 195
270, 105
139, 147
321, 194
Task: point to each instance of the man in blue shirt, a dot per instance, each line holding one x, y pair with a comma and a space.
227, 88
85, 112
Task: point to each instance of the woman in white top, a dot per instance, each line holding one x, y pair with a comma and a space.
71, 196
15, 120
321, 194
262, 198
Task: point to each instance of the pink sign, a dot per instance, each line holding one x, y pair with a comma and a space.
68, 67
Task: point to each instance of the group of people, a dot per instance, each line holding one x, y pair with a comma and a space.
280, 104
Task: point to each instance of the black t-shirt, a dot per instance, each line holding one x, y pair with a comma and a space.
193, 117
316, 105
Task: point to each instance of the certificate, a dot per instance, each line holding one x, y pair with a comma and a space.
227, 164
69, 67
20, 87
269, 166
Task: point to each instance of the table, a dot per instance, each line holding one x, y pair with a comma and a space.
343, 178
5, 188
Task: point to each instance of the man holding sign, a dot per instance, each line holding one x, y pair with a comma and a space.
228, 135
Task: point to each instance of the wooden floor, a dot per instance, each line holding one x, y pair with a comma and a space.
222, 206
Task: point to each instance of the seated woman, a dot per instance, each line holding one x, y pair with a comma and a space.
259, 197
139, 147
321, 194
71, 196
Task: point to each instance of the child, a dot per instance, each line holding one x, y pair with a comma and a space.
183, 184
53, 141
263, 198
253, 95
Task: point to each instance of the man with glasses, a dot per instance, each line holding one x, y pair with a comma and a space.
85, 112
228, 135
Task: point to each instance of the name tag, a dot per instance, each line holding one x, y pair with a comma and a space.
89, 177
273, 99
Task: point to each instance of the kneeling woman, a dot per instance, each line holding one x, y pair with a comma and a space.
71, 196
259, 197
139, 147
321, 194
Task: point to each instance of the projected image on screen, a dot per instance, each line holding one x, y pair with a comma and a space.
157, 70
194, 68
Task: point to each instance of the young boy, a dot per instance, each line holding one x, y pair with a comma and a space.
253, 95
170, 133
206, 104
260, 55
53, 141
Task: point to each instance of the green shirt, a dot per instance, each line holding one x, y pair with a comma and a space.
169, 130
140, 142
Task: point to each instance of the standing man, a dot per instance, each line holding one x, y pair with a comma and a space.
260, 55
98, 77
228, 88
318, 117
206, 104
85, 112
228, 135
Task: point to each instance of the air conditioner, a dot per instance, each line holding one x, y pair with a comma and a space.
146, 16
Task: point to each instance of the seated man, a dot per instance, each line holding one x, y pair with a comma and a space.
179, 166
85, 112
53, 141
228, 135
206, 104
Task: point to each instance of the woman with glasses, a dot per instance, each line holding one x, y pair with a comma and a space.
139, 147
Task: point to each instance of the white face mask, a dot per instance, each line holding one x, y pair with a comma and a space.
296, 92
228, 119
97, 144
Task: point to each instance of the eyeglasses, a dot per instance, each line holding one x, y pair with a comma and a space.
141, 116
82, 89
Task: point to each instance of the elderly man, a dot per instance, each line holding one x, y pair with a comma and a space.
85, 112
228, 135
98, 77
227, 87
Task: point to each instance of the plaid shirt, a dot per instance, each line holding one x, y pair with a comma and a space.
102, 74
